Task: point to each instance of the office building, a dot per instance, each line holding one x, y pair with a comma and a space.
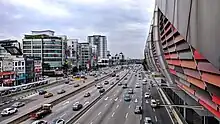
46, 45
85, 55
101, 42
72, 54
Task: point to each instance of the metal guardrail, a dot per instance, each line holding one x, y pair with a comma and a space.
56, 101
79, 114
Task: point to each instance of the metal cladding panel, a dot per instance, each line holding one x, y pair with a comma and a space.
196, 82
181, 75
184, 82
185, 55
204, 29
208, 67
170, 10
192, 73
204, 96
212, 79
213, 89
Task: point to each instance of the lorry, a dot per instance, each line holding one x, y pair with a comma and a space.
44, 110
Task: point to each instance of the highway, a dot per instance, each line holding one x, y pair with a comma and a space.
159, 114
35, 99
112, 109
64, 109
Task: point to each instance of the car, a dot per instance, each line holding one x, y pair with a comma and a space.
126, 78
87, 94
135, 75
47, 95
157, 101
58, 121
127, 97
61, 91
147, 95
106, 82
102, 90
130, 91
18, 104
153, 103
99, 86
119, 84
8, 111
137, 86
76, 85
138, 110
147, 120
112, 83
39, 122
42, 92
77, 106
117, 78
67, 82
124, 86
144, 83
96, 79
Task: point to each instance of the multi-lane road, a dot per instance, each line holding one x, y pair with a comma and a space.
110, 109
64, 109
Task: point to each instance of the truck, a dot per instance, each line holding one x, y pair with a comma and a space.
44, 110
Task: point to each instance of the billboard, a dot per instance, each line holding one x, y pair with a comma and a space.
7, 65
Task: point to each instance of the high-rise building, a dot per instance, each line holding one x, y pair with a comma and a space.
72, 54
85, 55
46, 45
101, 42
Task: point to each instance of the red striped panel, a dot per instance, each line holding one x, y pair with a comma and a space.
196, 82
172, 71
188, 64
206, 66
167, 56
188, 89
197, 55
174, 56
212, 110
211, 78
216, 99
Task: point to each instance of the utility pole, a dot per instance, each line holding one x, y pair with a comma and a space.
42, 56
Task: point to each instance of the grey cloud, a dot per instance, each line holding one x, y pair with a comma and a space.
84, 20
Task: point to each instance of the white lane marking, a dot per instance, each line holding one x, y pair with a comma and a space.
129, 106
106, 105
62, 115
106, 98
66, 102
91, 123
113, 114
155, 118
120, 100
117, 106
86, 103
140, 117
126, 116
153, 109
147, 101
99, 113
111, 99
116, 99
114, 94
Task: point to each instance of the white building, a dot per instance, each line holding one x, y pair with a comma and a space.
85, 55
19, 69
101, 43
72, 55
45, 45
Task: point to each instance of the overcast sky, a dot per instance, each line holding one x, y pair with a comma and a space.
124, 22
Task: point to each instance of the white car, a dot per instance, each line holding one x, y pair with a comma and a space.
8, 111
147, 120
153, 103
39, 122
147, 95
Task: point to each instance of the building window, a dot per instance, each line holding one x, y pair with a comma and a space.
36, 42
27, 47
22, 63
27, 51
19, 63
26, 42
36, 47
16, 64
36, 51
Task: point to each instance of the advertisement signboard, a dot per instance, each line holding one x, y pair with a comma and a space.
7, 65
